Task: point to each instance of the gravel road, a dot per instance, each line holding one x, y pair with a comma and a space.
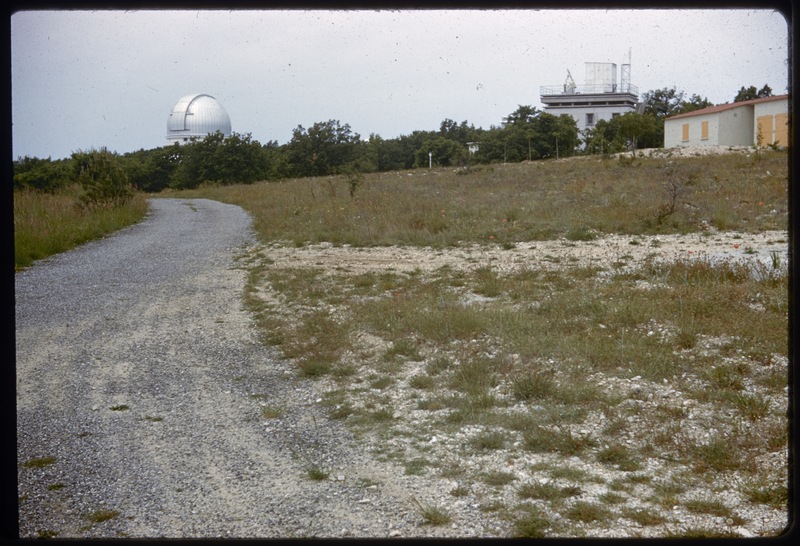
140, 390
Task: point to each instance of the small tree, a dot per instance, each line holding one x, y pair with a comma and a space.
104, 181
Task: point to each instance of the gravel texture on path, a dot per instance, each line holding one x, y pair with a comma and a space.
141, 396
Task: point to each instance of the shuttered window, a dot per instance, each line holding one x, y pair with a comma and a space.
782, 129
704, 130
685, 132
764, 137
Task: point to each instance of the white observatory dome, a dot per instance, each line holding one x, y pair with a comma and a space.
197, 116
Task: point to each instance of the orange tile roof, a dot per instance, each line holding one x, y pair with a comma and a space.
728, 106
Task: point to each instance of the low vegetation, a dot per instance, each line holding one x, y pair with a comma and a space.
680, 366
507, 204
47, 223
664, 380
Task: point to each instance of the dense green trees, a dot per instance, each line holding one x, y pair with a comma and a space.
332, 148
42, 174
322, 149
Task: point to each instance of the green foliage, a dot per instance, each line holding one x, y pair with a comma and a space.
151, 170
217, 159
323, 148
41, 174
750, 93
103, 178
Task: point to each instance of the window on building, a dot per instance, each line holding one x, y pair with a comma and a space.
615, 115
781, 129
685, 132
589, 120
704, 130
764, 134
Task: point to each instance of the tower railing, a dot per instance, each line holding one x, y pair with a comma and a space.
594, 89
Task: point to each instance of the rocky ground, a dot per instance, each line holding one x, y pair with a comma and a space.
415, 437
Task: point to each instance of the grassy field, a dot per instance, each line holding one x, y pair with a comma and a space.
504, 204
49, 223
568, 403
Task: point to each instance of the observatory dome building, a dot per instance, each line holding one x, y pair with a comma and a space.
197, 116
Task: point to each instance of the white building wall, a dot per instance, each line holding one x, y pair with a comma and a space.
727, 128
736, 127
778, 110
579, 113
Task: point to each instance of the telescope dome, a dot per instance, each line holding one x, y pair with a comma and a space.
197, 116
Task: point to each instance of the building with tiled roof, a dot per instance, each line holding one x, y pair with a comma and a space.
756, 122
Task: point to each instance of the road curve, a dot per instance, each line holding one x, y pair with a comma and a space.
140, 385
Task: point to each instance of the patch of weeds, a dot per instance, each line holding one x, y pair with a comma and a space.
609, 497
99, 516
534, 524
639, 478
686, 337
488, 283
403, 347
724, 378
570, 473
343, 371
776, 496
381, 415
547, 491
719, 454
422, 382
498, 478
314, 367
431, 514
561, 440
488, 440
474, 376
153, 419
341, 411
431, 404
120, 407
316, 473
451, 469
644, 516
272, 412
459, 491
382, 382
580, 233
619, 456
46, 534
713, 507
533, 385
438, 365
55, 486
588, 512
416, 467
751, 406
39, 462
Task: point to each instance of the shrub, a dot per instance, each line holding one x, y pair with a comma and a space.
103, 179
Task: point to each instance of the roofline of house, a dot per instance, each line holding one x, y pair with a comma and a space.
728, 106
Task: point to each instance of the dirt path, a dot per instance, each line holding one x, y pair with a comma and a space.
141, 396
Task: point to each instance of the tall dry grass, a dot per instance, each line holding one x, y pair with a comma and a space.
49, 223
504, 204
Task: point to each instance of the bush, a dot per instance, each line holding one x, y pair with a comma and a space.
104, 181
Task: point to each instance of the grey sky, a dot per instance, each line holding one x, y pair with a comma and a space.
83, 80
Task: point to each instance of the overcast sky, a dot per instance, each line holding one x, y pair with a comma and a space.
88, 79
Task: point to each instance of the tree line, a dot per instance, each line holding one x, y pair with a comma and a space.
333, 148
